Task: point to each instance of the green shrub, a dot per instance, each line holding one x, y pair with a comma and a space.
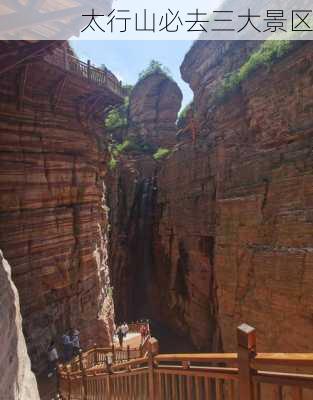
115, 120
129, 144
110, 291
120, 148
118, 117
183, 115
269, 52
153, 67
161, 153
113, 163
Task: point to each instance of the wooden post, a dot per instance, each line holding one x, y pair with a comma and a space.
83, 372
113, 353
246, 338
153, 349
108, 382
88, 70
95, 358
128, 353
66, 63
68, 381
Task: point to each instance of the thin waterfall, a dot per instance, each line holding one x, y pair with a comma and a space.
142, 246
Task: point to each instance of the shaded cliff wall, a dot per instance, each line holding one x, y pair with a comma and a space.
53, 215
17, 382
184, 242
154, 104
235, 210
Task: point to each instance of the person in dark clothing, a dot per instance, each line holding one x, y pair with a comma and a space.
120, 335
75, 342
53, 358
67, 348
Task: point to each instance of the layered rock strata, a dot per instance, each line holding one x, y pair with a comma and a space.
53, 215
235, 226
232, 213
153, 108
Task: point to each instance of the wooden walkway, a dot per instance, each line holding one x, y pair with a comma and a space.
132, 340
60, 57
245, 375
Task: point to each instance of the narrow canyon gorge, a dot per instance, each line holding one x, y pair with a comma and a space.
197, 229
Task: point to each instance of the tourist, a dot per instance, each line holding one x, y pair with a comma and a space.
143, 332
120, 335
147, 328
67, 347
75, 342
125, 329
53, 358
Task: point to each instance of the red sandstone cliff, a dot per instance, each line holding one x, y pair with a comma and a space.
235, 227
153, 108
53, 215
231, 216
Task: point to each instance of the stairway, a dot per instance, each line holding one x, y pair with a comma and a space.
143, 374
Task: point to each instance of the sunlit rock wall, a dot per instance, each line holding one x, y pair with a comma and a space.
17, 381
53, 215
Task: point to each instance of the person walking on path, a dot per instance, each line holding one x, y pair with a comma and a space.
120, 335
125, 329
67, 347
53, 358
143, 333
75, 342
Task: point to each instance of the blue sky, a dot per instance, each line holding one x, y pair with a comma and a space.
128, 58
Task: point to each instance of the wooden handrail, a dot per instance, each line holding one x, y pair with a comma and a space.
101, 77
198, 358
280, 378
209, 372
194, 376
286, 359
125, 365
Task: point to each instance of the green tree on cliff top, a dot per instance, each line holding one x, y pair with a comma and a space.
153, 67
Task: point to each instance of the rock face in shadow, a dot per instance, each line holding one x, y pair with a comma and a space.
234, 211
154, 104
17, 382
53, 214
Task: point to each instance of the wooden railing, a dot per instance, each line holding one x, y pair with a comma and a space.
245, 375
101, 77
